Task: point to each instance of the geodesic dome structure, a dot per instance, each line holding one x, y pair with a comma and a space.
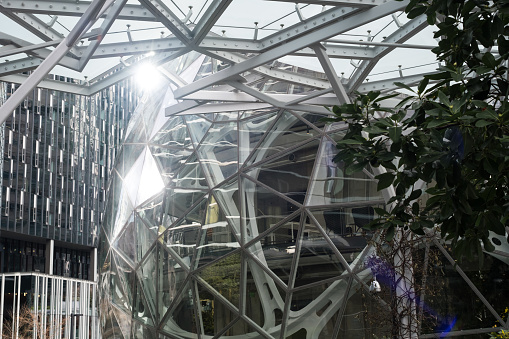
239, 224
232, 222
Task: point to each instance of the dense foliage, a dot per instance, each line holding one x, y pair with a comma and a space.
446, 145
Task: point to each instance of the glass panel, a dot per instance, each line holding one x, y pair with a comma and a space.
216, 238
152, 106
182, 317
181, 238
127, 276
253, 305
251, 132
171, 277
215, 315
263, 208
364, 316
142, 332
446, 311
218, 152
147, 278
331, 185
287, 132
144, 179
136, 132
118, 292
344, 227
141, 310
241, 327
317, 260
314, 119
276, 249
169, 160
190, 175
136, 240
289, 174
151, 212
173, 134
127, 157
224, 277
198, 126
124, 322
177, 203
228, 199
227, 116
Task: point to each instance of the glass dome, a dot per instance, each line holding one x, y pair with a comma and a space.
238, 223
230, 223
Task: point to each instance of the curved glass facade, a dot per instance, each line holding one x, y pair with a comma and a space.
234, 224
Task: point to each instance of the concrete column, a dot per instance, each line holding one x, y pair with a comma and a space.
50, 256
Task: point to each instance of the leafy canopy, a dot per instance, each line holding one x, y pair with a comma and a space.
452, 134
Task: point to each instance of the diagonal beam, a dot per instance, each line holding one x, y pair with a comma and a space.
401, 35
73, 8
330, 72
168, 19
318, 35
209, 18
388, 84
337, 2
58, 53
54, 85
303, 28
276, 103
112, 14
33, 24
273, 73
26, 49
287, 99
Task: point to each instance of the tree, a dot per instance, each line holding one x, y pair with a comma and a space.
448, 143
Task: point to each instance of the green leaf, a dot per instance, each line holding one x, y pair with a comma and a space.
436, 122
386, 97
384, 180
402, 85
350, 142
373, 129
390, 233
395, 133
356, 167
483, 123
489, 60
380, 211
444, 99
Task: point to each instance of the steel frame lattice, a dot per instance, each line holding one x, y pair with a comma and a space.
232, 129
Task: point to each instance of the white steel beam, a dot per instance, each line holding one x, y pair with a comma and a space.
312, 37
58, 53
303, 28
388, 84
401, 35
49, 84
111, 15
26, 49
274, 102
230, 45
209, 18
274, 73
330, 72
32, 24
163, 14
337, 2
287, 99
73, 8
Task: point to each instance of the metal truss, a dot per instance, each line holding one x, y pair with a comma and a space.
329, 36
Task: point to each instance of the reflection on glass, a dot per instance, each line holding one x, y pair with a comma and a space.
331, 185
